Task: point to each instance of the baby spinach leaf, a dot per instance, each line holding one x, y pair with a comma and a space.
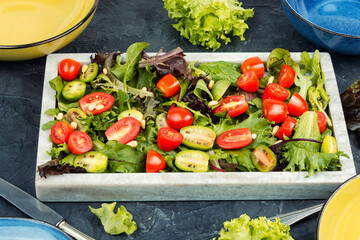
221, 70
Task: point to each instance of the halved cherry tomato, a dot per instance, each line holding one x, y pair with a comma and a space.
286, 128
154, 162
124, 130
96, 103
178, 118
321, 121
286, 76
69, 69
60, 132
255, 64
79, 142
274, 110
235, 105
275, 91
248, 81
297, 105
235, 138
168, 85
168, 139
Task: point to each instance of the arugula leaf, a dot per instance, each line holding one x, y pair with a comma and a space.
221, 70
123, 158
115, 223
146, 77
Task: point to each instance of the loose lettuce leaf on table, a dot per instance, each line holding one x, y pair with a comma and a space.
115, 223
254, 229
204, 22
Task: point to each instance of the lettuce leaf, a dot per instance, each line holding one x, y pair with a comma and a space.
254, 229
305, 155
221, 70
204, 22
123, 158
115, 223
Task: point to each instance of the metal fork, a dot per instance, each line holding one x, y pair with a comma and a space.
295, 216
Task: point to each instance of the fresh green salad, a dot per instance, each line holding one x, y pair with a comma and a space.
141, 113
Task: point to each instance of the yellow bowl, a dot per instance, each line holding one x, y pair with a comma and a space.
35, 28
340, 216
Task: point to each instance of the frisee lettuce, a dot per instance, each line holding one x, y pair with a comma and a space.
204, 22
253, 229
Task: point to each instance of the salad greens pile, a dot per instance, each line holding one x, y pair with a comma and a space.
253, 229
132, 80
204, 22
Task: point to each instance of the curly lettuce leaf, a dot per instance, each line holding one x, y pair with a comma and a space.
306, 155
115, 223
253, 229
204, 22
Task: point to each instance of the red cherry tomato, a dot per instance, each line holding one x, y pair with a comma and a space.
179, 117
69, 69
248, 81
235, 138
79, 142
154, 162
168, 85
255, 64
297, 105
168, 139
235, 105
286, 76
60, 132
96, 103
321, 121
275, 91
124, 130
274, 110
286, 128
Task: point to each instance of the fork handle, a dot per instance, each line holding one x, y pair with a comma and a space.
295, 216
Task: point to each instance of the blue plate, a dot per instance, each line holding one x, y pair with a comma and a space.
23, 228
332, 24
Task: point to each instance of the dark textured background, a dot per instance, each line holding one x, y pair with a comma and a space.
115, 26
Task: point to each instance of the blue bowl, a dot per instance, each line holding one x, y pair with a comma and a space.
332, 24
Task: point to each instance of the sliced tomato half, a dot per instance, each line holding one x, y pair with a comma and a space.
286, 128
168, 85
154, 162
124, 130
297, 105
96, 103
275, 91
274, 110
235, 105
255, 64
286, 76
321, 121
60, 132
79, 142
248, 81
235, 138
168, 139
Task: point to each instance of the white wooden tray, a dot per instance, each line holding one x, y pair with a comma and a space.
193, 186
